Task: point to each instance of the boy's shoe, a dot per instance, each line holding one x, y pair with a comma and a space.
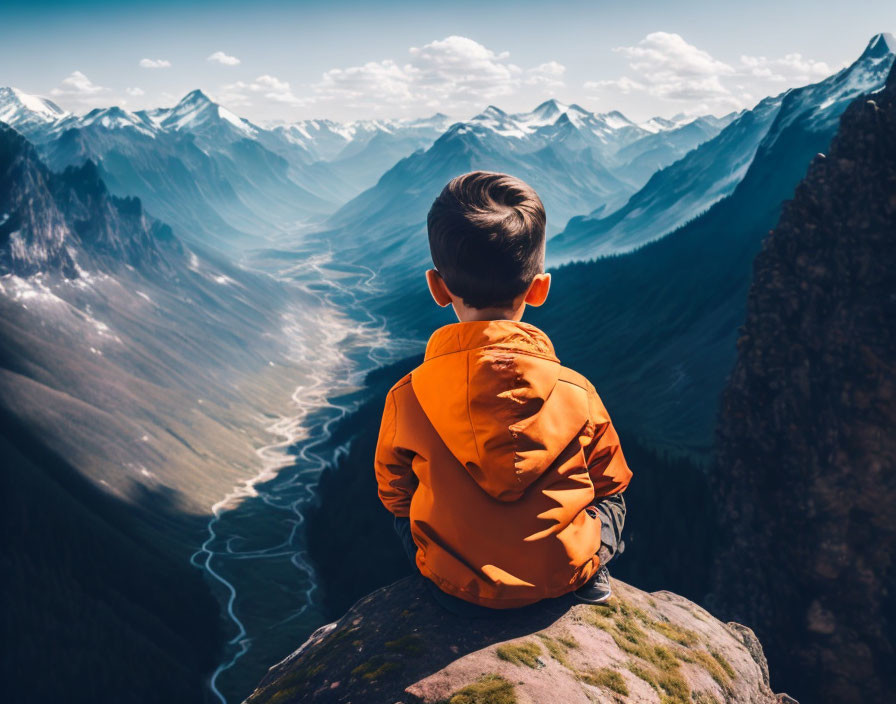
597, 589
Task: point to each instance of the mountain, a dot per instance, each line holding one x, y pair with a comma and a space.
217, 177
103, 302
223, 180
563, 151
138, 374
66, 222
793, 121
28, 111
196, 165
208, 121
372, 147
805, 477
152, 380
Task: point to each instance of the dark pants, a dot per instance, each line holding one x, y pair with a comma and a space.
611, 512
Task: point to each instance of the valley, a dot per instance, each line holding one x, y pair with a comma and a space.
200, 313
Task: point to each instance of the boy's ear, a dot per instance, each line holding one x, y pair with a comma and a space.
437, 288
538, 290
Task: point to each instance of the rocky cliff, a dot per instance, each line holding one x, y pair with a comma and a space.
66, 222
806, 477
397, 645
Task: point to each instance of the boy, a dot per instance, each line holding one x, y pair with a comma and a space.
491, 455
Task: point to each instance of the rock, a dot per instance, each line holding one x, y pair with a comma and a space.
397, 645
805, 477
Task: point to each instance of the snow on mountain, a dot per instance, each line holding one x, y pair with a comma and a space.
525, 124
326, 139
113, 118
821, 104
784, 130
196, 112
212, 173
28, 112
14, 104
661, 124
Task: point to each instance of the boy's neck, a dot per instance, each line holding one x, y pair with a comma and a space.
465, 314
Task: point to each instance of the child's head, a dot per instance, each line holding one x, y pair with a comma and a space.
486, 238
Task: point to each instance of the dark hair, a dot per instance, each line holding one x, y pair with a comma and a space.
486, 237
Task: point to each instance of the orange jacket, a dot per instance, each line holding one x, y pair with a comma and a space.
493, 449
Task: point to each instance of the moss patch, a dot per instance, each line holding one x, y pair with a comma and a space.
676, 633
289, 687
489, 689
525, 653
604, 677
411, 645
705, 698
723, 663
376, 668
336, 638
709, 662
558, 647
669, 685
628, 626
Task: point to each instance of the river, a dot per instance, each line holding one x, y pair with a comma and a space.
254, 553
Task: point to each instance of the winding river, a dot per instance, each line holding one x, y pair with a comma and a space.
254, 554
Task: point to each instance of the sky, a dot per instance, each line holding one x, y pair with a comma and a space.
286, 61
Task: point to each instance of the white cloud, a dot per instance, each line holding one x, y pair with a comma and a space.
155, 63
669, 54
791, 68
134, 92
624, 84
77, 91
549, 75
222, 58
665, 66
268, 87
668, 67
448, 74
77, 85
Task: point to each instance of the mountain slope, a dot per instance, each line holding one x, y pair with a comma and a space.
93, 584
196, 165
806, 478
680, 192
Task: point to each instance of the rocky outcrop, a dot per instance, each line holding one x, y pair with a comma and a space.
397, 645
806, 477
67, 222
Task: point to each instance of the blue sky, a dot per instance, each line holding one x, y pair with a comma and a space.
342, 60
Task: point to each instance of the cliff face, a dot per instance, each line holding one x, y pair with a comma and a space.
69, 221
397, 645
806, 477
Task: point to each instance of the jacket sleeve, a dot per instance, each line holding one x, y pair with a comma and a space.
395, 479
607, 467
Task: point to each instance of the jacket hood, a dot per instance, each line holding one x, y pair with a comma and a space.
486, 387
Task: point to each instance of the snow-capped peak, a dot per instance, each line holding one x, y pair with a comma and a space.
880, 45
17, 106
439, 121
616, 120
662, 124
550, 109
117, 118
197, 110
